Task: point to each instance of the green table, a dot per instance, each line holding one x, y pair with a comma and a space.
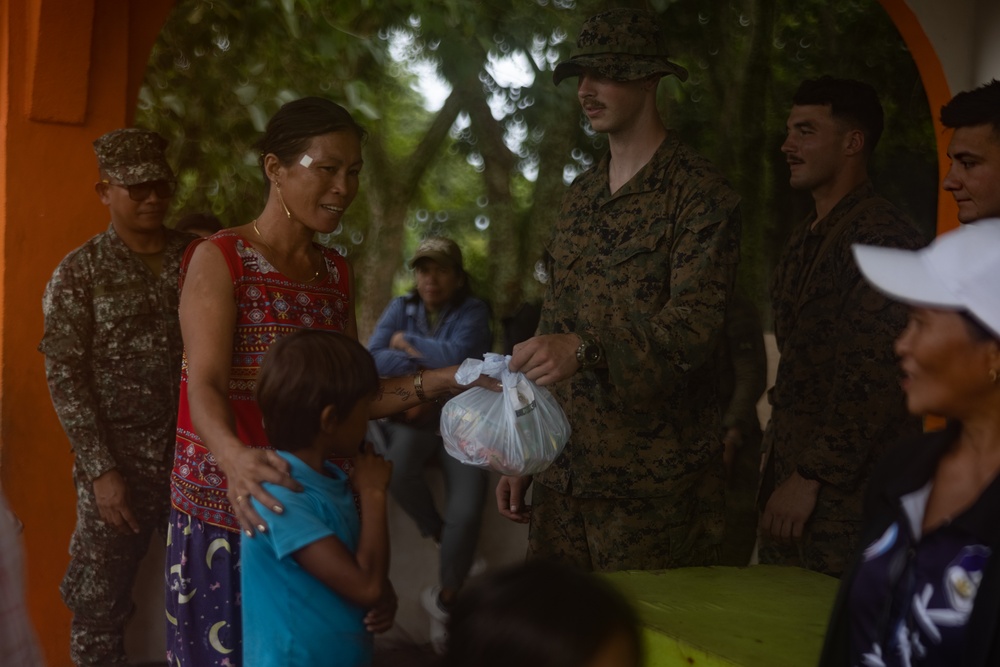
758, 616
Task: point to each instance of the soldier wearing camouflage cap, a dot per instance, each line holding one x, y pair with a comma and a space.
133, 156
112, 347
642, 262
622, 45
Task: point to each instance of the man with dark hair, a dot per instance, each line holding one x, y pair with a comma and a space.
854, 103
112, 348
836, 403
974, 176
641, 263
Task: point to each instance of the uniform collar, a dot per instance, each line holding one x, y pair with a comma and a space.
863, 190
647, 179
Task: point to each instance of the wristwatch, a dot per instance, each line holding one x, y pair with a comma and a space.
590, 353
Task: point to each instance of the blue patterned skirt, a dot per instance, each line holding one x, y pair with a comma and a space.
204, 623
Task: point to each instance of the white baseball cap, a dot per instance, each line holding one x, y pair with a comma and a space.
960, 270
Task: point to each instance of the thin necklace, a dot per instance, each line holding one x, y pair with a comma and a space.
261, 237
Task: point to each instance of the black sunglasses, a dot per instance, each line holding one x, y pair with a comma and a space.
141, 191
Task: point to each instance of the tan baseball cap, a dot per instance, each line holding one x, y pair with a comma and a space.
442, 250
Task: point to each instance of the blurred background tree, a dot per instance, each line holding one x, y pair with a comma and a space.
486, 157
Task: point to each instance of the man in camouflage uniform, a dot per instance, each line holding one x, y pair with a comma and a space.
974, 176
836, 402
641, 265
112, 348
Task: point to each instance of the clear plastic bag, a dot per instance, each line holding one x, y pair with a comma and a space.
519, 430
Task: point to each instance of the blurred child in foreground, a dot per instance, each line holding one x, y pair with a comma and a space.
542, 614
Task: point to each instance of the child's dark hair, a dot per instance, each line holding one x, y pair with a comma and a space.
538, 614
855, 102
303, 373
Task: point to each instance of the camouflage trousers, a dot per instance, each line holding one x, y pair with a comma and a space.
97, 587
609, 534
826, 546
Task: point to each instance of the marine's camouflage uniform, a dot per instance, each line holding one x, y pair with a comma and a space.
647, 271
112, 348
836, 402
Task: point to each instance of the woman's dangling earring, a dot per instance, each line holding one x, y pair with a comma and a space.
281, 200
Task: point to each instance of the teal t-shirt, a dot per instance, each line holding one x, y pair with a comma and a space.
289, 617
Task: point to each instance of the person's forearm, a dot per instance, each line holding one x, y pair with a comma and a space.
402, 393
373, 546
214, 422
76, 405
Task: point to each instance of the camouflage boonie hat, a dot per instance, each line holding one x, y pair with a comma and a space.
442, 250
133, 156
620, 44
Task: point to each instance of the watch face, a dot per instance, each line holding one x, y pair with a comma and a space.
588, 354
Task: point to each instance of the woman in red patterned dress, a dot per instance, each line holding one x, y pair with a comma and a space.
242, 289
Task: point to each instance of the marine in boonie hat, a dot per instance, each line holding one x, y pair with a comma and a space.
133, 155
620, 44
442, 250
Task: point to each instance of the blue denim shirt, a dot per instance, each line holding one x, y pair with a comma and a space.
459, 333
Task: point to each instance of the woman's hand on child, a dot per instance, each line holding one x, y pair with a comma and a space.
371, 472
246, 471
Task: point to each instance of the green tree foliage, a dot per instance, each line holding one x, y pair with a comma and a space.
489, 167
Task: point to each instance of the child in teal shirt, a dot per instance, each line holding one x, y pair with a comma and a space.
316, 580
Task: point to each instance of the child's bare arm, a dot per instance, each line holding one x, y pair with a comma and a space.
362, 578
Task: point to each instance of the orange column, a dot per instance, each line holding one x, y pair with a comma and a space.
938, 94
68, 73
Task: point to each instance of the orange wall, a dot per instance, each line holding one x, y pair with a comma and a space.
63, 86
938, 94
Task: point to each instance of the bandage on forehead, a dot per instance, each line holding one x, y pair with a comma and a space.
306, 161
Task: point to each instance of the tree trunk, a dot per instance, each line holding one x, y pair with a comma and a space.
391, 186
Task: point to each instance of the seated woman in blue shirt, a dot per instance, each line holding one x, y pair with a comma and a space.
438, 324
926, 588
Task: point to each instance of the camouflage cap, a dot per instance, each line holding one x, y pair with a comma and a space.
442, 250
132, 156
620, 44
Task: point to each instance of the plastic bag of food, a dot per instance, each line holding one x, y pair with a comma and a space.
519, 430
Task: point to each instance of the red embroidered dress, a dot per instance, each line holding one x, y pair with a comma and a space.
269, 306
